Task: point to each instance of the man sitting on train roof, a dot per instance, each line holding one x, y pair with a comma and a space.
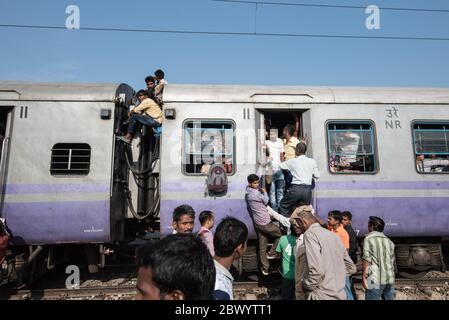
147, 113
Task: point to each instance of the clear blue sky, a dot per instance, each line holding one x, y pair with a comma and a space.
84, 56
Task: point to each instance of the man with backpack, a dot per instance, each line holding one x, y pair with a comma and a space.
257, 201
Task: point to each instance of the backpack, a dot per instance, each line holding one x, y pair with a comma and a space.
217, 181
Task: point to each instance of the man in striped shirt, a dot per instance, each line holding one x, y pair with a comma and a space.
378, 262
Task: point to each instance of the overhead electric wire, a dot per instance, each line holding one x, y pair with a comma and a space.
330, 6
262, 34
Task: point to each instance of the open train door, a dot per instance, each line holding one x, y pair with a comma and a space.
260, 142
7, 99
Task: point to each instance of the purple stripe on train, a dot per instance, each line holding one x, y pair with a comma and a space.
347, 185
383, 185
58, 222
57, 188
405, 217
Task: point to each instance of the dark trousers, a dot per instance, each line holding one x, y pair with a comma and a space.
263, 233
143, 119
298, 193
288, 289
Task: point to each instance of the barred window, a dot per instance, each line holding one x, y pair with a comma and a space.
431, 142
208, 142
70, 159
352, 147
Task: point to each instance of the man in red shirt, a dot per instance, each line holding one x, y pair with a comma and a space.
4, 241
335, 225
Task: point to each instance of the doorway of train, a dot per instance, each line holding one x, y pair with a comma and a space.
283, 123
6, 116
270, 123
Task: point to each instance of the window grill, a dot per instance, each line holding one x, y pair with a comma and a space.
70, 159
208, 142
431, 142
352, 147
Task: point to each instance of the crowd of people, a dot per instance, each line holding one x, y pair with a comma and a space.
318, 258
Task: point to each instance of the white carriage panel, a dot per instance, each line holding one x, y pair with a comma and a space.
49, 123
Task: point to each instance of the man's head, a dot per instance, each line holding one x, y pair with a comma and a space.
289, 131
150, 81
159, 74
2, 229
183, 219
274, 134
334, 218
347, 218
178, 267
253, 181
230, 238
303, 217
142, 95
301, 149
207, 219
376, 224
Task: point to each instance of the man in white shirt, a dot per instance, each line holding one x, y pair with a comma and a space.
275, 148
303, 170
230, 244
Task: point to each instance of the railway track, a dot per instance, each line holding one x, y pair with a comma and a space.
91, 293
247, 290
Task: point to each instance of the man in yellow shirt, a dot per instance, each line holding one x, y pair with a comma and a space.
147, 113
290, 143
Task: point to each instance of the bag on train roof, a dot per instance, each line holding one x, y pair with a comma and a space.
217, 181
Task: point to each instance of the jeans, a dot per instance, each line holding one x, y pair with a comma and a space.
277, 189
143, 119
386, 292
348, 290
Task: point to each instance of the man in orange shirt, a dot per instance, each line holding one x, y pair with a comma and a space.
335, 225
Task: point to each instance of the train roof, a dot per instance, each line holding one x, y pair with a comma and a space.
27, 91
293, 94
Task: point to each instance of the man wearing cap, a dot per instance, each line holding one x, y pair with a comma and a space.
300, 254
328, 262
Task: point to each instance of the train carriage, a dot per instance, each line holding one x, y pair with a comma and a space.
65, 179
395, 126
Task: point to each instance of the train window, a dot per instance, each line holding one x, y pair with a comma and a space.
70, 159
431, 141
208, 142
352, 147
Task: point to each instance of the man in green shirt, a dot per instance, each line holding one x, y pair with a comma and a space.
287, 247
378, 262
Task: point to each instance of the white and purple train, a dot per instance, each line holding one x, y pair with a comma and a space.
65, 179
